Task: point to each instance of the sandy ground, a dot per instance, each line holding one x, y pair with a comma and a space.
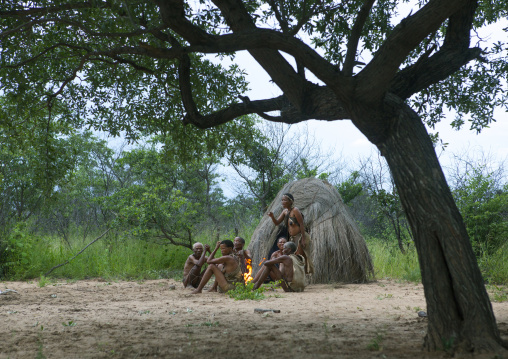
98, 319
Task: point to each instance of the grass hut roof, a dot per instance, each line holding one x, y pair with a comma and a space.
338, 250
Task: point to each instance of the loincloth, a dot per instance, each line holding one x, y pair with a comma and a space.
298, 282
309, 266
232, 278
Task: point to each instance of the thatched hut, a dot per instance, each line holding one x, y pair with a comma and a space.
338, 250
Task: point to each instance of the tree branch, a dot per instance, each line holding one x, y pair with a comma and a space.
184, 81
173, 16
454, 54
352, 44
170, 237
305, 17
232, 112
82, 27
81, 251
375, 78
282, 21
437, 68
281, 72
52, 9
321, 104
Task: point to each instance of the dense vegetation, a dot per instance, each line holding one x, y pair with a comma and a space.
148, 206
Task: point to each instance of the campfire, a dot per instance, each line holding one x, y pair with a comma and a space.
247, 277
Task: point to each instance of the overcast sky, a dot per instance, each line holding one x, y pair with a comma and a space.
344, 138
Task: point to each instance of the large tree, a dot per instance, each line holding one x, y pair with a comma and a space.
138, 66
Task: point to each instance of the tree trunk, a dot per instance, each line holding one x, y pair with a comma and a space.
460, 315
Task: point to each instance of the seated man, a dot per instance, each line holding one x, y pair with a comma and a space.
280, 244
192, 273
228, 275
242, 254
291, 270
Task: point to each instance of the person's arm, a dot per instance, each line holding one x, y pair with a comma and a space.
212, 255
284, 260
203, 258
299, 218
274, 261
247, 254
278, 220
222, 260
186, 269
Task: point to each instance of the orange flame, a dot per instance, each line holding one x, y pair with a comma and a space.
247, 277
262, 262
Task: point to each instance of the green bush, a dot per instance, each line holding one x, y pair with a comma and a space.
494, 266
247, 291
17, 251
484, 208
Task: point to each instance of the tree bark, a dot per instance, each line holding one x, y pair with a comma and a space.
460, 313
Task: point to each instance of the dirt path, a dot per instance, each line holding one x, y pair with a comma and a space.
97, 319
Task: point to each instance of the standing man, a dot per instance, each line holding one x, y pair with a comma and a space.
227, 276
192, 273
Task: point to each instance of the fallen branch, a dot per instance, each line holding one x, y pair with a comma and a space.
8, 291
81, 251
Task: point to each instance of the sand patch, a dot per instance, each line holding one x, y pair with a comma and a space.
98, 319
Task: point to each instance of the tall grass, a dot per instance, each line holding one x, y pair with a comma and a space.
494, 266
112, 257
121, 257
107, 258
389, 262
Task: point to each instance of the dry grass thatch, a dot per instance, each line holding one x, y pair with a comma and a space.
338, 250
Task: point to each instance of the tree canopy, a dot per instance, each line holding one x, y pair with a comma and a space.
388, 66
139, 66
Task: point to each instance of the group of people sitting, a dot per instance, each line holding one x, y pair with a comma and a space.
288, 265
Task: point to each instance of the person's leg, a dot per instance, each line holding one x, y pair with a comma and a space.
277, 275
258, 275
206, 277
194, 277
268, 270
219, 277
214, 287
263, 273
